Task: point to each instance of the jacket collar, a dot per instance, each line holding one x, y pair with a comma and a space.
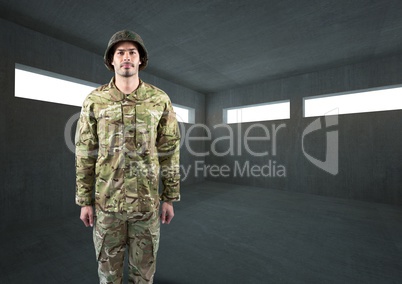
114, 94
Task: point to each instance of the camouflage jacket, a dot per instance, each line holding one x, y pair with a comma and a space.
124, 143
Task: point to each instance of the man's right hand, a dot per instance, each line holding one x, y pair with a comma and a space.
87, 216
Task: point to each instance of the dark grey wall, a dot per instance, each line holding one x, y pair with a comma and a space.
370, 151
37, 177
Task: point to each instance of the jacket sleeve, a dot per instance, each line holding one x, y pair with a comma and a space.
86, 150
168, 145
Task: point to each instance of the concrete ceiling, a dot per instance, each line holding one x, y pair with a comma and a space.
210, 46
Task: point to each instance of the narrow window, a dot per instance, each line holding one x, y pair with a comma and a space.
371, 100
37, 84
261, 112
184, 114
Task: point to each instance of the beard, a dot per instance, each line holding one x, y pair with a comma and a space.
127, 73
124, 72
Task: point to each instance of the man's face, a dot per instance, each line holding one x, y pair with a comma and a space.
126, 59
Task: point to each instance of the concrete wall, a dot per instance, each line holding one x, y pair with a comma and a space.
37, 168
370, 151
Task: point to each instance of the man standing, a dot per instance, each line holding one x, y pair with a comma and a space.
127, 137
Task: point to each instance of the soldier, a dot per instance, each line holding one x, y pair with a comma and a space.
127, 137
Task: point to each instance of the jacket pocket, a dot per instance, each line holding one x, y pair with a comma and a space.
147, 119
110, 129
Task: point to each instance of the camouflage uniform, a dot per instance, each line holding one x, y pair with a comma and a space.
123, 144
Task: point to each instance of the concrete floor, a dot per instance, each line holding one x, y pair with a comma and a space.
225, 233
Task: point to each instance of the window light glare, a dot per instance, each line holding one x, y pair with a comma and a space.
184, 114
36, 84
358, 102
31, 83
263, 112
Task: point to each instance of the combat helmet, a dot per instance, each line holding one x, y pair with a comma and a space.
125, 35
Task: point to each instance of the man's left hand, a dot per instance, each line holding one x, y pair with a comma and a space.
167, 213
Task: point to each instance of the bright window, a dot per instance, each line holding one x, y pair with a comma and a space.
357, 102
184, 114
36, 84
260, 112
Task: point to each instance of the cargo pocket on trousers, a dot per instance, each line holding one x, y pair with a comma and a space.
155, 234
99, 239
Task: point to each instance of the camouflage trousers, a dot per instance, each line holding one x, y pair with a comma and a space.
139, 233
